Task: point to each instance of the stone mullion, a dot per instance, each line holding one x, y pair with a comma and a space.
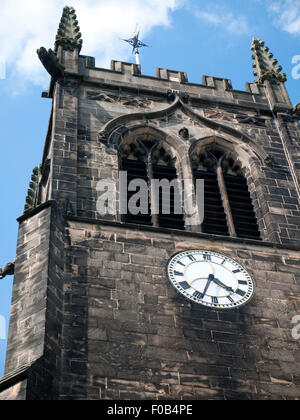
152, 197
187, 174
225, 200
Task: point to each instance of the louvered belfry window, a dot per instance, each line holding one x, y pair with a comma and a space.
240, 203
149, 161
163, 167
228, 209
135, 170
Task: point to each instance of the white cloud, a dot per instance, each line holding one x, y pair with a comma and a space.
287, 14
28, 25
219, 17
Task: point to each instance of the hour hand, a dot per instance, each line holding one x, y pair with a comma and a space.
219, 283
210, 279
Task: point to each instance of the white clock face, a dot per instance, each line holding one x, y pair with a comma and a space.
210, 279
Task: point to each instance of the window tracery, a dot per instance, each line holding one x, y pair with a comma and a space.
228, 208
150, 160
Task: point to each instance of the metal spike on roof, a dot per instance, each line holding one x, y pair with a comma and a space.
136, 44
265, 64
68, 34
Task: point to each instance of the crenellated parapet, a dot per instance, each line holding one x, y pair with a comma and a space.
128, 77
267, 93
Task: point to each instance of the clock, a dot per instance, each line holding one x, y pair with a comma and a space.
210, 279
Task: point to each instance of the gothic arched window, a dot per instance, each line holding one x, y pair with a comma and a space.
205, 167
134, 163
228, 209
152, 161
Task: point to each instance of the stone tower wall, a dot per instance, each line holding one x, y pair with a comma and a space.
93, 314
82, 151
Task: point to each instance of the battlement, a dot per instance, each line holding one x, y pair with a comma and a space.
268, 93
129, 75
172, 75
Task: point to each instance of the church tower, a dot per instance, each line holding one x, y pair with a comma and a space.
200, 303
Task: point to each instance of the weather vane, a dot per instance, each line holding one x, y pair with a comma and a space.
136, 44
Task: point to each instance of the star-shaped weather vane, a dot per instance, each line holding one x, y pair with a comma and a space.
136, 44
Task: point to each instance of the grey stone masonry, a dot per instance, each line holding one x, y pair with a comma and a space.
147, 342
94, 317
94, 109
93, 313
35, 329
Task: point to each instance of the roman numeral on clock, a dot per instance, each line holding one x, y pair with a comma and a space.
177, 273
198, 295
241, 292
192, 258
184, 285
243, 282
180, 263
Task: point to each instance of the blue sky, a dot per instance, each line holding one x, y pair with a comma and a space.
199, 37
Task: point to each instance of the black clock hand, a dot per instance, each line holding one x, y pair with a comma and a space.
219, 283
210, 279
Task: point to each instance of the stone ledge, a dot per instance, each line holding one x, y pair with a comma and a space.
14, 377
173, 232
154, 229
35, 211
196, 99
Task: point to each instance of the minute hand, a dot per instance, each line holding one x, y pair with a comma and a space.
210, 279
219, 283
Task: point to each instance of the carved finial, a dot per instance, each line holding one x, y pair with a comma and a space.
31, 199
265, 64
68, 35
